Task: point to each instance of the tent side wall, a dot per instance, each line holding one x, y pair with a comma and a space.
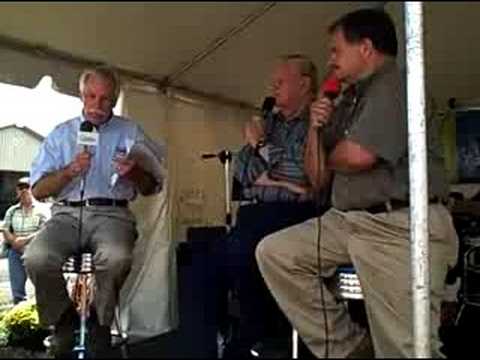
194, 196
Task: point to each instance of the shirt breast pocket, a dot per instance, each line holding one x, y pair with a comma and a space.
36, 221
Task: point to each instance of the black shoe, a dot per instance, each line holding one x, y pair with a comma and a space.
234, 351
272, 349
100, 338
63, 339
364, 350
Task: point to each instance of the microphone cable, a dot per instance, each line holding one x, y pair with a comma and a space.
80, 215
331, 88
319, 208
85, 126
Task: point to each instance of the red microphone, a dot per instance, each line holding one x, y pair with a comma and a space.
331, 87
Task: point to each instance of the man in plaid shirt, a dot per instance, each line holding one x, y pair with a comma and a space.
270, 168
22, 222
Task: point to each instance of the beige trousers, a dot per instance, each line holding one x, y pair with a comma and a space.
378, 246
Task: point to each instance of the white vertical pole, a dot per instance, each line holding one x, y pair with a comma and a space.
418, 178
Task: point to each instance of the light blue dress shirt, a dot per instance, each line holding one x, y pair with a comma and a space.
116, 137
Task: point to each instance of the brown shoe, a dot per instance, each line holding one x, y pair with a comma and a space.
364, 350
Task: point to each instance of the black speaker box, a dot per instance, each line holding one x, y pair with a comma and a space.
198, 281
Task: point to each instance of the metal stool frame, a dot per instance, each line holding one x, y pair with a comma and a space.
79, 272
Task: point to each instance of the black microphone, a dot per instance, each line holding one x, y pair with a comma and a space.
268, 105
86, 126
267, 108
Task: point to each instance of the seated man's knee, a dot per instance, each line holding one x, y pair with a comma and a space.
37, 261
115, 261
277, 248
265, 249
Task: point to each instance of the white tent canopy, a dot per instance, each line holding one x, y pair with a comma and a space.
215, 57
217, 48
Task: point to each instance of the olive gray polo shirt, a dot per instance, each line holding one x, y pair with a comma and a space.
374, 116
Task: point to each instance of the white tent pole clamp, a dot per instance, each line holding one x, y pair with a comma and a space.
418, 178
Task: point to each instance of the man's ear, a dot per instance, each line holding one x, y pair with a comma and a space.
366, 48
306, 84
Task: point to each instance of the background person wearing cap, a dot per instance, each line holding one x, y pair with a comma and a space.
22, 222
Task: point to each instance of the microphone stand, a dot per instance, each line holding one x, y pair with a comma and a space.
78, 264
225, 157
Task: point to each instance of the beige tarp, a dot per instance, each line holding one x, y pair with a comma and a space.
194, 196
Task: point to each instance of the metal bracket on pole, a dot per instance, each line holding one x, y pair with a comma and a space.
417, 156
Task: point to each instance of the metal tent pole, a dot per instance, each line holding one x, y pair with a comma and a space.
418, 178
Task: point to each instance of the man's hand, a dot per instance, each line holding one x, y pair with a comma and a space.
320, 112
254, 131
79, 165
265, 180
19, 243
124, 166
128, 167
51, 184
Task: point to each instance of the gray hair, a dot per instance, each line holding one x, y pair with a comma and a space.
104, 72
306, 67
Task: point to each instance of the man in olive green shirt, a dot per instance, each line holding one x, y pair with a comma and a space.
365, 146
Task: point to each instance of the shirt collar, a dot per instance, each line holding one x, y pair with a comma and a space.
98, 127
388, 65
301, 113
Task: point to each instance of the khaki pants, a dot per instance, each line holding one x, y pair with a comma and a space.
109, 232
379, 248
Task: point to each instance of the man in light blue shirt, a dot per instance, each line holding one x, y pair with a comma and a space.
109, 175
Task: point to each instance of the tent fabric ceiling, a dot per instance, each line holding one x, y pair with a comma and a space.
159, 38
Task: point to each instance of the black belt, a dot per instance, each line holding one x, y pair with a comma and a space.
387, 206
392, 205
97, 202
